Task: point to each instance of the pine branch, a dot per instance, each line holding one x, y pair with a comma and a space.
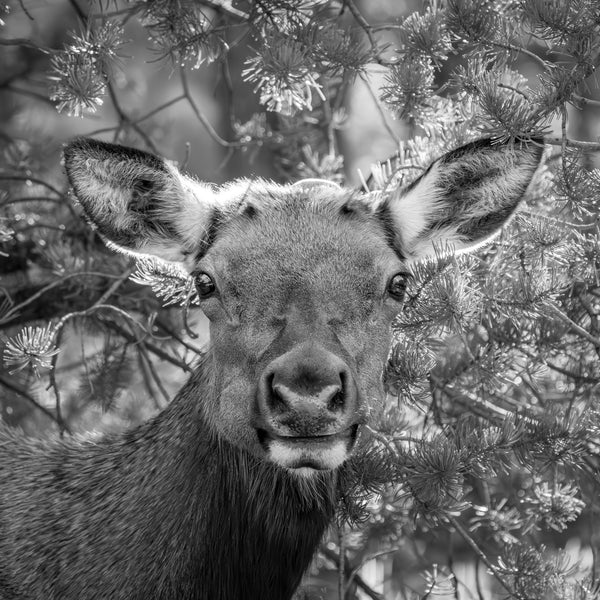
515, 328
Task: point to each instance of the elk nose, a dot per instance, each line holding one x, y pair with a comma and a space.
285, 398
307, 392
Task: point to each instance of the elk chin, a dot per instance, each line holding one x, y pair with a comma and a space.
306, 456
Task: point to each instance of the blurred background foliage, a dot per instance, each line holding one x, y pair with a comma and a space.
482, 479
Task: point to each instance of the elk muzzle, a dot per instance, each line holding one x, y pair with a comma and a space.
307, 409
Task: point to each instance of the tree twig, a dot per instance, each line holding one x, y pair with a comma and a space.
368, 31
205, 122
159, 108
479, 552
341, 564
57, 282
511, 48
364, 586
556, 141
27, 396
78, 11
352, 576
586, 101
169, 331
577, 328
226, 9
24, 42
25, 178
124, 118
152, 347
115, 286
379, 110
58, 333
144, 353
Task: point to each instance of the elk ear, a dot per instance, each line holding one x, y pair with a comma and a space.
463, 198
139, 202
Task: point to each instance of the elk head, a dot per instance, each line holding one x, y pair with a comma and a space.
300, 282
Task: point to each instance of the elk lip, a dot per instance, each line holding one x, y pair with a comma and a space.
308, 454
349, 434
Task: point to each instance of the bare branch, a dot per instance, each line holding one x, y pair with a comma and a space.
592, 146
364, 586
27, 396
205, 122
125, 119
369, 31
471, 542
133, 339
10, 315
574, 326
379, 109
152, 372
25, 42
226, 9
9, 177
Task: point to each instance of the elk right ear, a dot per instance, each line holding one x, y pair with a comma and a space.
463, 199
138, 201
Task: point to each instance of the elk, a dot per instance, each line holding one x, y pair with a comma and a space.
227, 492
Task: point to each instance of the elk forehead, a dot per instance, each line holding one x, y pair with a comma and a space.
280, 248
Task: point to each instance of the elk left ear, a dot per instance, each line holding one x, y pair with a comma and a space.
463, 199
139, 202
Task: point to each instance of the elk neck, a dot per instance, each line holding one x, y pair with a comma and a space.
166, 510
257, 525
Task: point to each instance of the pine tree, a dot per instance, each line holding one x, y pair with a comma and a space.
488, 453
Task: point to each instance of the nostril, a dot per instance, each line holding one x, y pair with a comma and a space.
277, 401
336, 402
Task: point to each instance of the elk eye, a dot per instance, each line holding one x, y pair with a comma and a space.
397, 286
205, 285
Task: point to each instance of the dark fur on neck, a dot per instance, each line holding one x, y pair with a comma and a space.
163, 511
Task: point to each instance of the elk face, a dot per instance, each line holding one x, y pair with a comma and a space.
300, 313
300, 282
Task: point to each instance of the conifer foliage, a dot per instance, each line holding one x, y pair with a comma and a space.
488, 455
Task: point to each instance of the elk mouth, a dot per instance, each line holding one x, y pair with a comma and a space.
306, 453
